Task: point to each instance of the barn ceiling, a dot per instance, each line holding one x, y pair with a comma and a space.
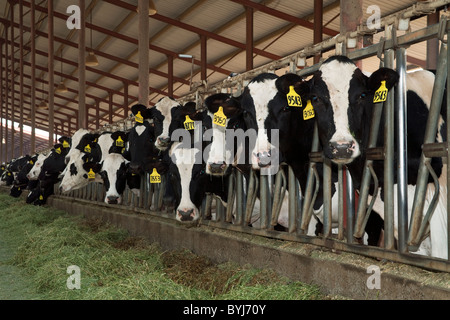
281, 27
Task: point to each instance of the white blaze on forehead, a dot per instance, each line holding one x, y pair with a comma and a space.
184, 160
105, 142
165, 106
36, 169
262, 93
337, 77
111, 165
218, 152
73, 182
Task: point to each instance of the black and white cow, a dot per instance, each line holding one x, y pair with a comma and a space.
21, 181
342, 97
91, 148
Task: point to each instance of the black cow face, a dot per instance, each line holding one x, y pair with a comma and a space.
342, 97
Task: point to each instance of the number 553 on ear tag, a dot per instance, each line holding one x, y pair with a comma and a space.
189, 123
155, 177
381, 93
293, 98
308, 112
220, 118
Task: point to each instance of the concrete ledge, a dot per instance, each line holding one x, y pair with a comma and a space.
340, 274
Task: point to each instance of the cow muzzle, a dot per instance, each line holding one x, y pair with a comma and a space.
216, 168
263, 159
162, 142
343, 152
186, 215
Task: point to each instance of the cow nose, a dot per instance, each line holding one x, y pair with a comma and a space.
164, 141
342, 149
186, 215
134, 168
215, 167
112, 199
263, 159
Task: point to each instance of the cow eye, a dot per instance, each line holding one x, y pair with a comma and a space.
314, 98
363, 95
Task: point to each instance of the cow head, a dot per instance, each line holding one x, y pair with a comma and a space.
36, 169
188, 176
114, 175
226, 116
342, 97
74, 142
161, 113
141, 146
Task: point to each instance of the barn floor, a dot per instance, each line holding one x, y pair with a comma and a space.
337, 273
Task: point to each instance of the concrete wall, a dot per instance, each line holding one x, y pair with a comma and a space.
335, 273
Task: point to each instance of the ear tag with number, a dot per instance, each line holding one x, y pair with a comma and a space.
293, 98
119, 142
155, 177
91, 174
87, 149
58, 150
139, 118
308, 112
189, 123
220, 118
66, 144
381, 93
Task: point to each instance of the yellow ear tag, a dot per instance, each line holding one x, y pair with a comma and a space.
293, 98
220, 118
155, 177
41, 197
381, 93
189, 123
58, 150
87, 149
119, 142
308, 112
66, 144
9, 173
91, 174
139, 118
31, 162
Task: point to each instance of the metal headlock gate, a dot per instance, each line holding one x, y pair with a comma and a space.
242, 196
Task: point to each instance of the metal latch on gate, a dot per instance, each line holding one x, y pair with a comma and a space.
375, 153
431, 150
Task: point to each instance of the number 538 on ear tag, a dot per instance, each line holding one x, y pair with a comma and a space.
220, 118
381, 93
155, 177
293, 98
308, 112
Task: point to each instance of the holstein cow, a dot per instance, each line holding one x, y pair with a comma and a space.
21, 181
90, 149
342, 97
187, 170
161, 114
50, 170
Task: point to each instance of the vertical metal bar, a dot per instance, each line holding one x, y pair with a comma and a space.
430, 136
231, 196
2, 42
239, 197
143, 52
6, 93
51, 75
264, 198
327, 197
318, 26
82, 67
341, 202
350, 206
402, 154
21, 75
12, 146
448, 151
389, 154
249, 38
293, 203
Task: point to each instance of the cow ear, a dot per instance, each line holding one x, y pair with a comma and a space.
213, 102
138, 108
284, 82
383, 74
